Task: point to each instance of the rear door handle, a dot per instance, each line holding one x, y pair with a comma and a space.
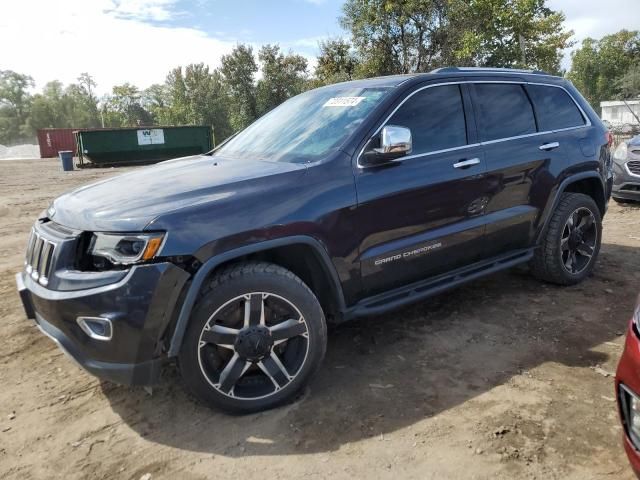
466, 163
549, 146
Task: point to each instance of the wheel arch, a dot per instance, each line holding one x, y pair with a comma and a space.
303, 255
588, 183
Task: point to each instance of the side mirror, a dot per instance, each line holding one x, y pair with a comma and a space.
394, 141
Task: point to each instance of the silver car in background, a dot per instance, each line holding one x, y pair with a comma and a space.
626, 171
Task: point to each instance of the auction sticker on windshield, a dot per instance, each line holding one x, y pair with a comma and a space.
343, 101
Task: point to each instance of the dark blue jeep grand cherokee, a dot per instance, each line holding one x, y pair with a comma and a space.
344, 201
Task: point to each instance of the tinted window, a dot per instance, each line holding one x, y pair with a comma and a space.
435, 117
554, 108
504, 111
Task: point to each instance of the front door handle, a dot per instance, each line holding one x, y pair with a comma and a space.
466, 163
549, 146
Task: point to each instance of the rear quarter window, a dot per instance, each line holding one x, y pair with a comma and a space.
504, 111
554, 108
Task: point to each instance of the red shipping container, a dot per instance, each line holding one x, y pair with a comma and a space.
54, 140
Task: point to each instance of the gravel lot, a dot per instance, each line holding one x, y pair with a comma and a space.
503, 378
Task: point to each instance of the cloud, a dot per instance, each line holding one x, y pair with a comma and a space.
115, 41
596, 18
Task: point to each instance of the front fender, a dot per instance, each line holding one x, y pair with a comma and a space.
554, 198
209, 265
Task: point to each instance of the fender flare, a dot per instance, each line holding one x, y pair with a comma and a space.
551, 206
208, 266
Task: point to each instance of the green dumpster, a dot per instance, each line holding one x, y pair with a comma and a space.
128, 146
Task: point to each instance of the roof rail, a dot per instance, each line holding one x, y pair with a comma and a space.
487, 69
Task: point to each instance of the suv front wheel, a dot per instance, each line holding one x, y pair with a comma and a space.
570, 245
256, 337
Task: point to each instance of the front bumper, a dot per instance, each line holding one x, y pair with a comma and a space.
140, 308
626, 186
628, 374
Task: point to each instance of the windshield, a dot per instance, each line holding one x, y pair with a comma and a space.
306, 127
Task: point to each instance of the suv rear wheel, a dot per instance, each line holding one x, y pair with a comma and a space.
571, 242
256, 337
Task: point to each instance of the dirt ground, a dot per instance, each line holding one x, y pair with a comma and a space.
503, 378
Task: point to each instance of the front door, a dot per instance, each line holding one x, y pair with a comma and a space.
422, 214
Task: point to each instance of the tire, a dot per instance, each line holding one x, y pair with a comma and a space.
264, 327
553, 261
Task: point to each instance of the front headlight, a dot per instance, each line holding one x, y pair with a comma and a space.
126, 249
621, 152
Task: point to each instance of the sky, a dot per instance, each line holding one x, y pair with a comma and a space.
139, 41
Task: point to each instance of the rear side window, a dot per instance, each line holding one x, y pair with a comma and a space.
436, 119
504, 110
554, 108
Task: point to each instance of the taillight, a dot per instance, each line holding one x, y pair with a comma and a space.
609, 138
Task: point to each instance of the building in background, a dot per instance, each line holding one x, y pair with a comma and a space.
621, 112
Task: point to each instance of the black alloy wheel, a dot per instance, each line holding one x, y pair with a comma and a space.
256, 337
253, 345
579, 240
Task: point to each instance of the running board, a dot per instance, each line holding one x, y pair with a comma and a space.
426, 288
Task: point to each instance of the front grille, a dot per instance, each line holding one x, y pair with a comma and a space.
634, 166
38, 261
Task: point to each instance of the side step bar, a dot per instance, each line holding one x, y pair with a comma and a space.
426, 288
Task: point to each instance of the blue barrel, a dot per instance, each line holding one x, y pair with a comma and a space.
66, 158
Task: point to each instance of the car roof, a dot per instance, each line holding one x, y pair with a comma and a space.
448, 72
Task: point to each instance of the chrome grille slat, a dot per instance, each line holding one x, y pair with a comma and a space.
634, 166
37, 252
45, 262
39, 257
29, 255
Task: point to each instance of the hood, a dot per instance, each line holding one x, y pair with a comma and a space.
130, 201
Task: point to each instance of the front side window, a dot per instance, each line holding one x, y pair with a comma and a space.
504, 111
554, 108
435, 117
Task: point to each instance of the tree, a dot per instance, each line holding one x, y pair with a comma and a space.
196, 96
629, 84
59, 107
598, 65
238, 72
156, 100
123, 108
405, 36
337, 61
283, 76
15, 102
395, 36
509, 33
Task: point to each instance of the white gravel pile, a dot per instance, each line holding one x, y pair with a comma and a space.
19, 151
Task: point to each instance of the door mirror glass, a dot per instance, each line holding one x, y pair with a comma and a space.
394, 141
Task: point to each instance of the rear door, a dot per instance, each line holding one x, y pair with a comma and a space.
422, 214
522, 163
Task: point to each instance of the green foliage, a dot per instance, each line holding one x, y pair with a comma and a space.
59, 107
283, 76
509, 33
629, 84
238, 70
396, 36
123, 108
598, 65
406, 36
193, 96
337, 62
15, 103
